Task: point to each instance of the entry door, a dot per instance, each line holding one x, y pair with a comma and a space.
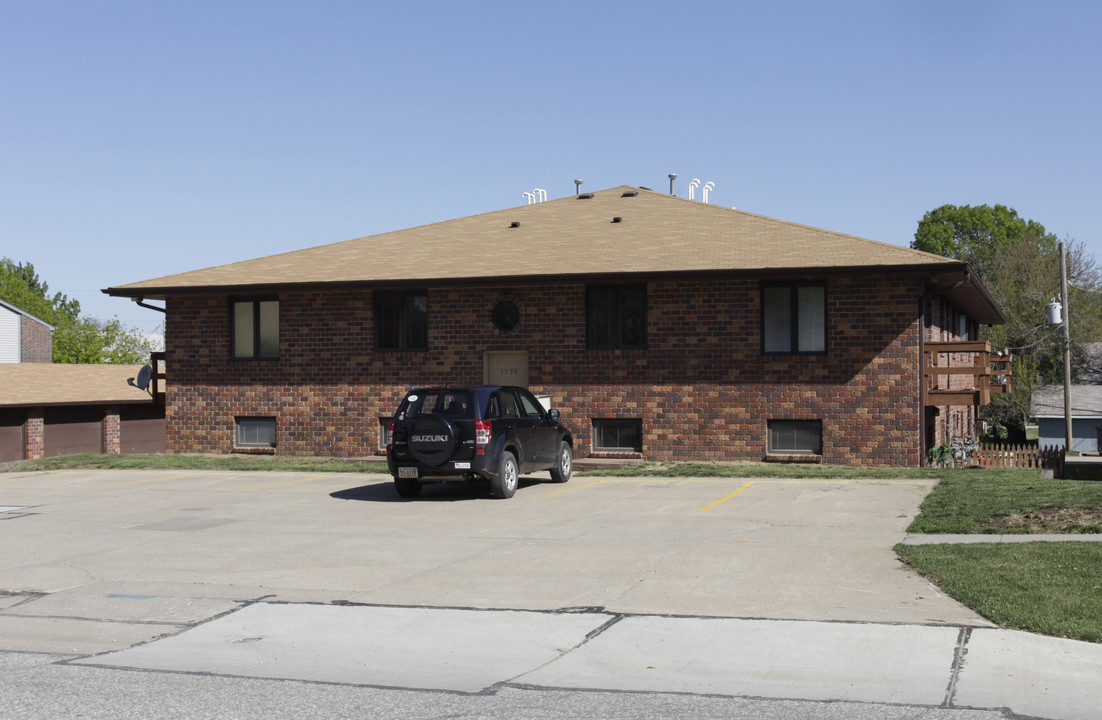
506, 367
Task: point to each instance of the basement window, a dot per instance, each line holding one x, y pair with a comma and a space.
795, 437
255, 432
618, 435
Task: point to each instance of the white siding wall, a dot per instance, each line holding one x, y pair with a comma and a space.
10, 340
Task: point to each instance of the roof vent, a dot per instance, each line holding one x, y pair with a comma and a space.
514, 224
585, 196
630, 193
617, 219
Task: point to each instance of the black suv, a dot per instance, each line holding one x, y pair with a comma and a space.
476, 432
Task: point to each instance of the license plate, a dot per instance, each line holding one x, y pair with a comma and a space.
407, 472
462, 466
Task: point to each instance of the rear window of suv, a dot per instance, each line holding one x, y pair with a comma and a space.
449, 403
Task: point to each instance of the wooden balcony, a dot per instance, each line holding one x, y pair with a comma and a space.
946, 363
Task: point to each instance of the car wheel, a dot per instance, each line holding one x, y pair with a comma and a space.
564, 463
407, 488
504, 484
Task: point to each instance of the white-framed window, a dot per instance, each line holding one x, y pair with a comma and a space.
793, 319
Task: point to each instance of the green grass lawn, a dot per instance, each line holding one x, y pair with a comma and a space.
1054, 588
760, 470
200, 462
975, 501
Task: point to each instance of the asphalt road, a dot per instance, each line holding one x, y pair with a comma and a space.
203, 594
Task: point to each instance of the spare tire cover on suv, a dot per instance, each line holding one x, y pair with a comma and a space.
432, 439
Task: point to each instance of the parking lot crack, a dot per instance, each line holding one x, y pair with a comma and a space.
594, 633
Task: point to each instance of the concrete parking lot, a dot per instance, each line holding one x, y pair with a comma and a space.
792, 549
766, 588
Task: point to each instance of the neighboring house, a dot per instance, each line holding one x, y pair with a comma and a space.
1086, 408
24, 338
57, 409
662, 328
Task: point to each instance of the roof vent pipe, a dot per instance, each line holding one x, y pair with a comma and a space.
673, 176
578, 186
704, 191
541, 194
692, 188
529, 197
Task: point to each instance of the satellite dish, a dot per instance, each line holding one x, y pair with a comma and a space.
144, 376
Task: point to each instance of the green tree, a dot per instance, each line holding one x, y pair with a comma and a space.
76, 339
1018, 261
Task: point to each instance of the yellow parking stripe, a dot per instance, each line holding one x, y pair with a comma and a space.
722, 500
288, 482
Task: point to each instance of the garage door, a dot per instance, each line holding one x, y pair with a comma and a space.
11, 436
142, 429
74, 430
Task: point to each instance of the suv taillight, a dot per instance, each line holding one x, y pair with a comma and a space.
482, 432
390, 434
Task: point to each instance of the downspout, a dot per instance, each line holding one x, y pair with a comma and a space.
140, 302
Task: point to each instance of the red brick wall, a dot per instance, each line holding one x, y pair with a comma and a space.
702, 387
37, 340
944, 326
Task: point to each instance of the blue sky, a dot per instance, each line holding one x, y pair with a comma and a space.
142, 138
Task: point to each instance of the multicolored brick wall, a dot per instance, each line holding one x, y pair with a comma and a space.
702, 387
37, 341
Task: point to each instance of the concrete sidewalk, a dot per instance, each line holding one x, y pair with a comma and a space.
476, 651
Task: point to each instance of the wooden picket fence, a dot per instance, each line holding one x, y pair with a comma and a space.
997, 455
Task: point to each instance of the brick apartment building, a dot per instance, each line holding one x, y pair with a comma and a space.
660, 327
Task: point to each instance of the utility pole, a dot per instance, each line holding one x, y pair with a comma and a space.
1067, 346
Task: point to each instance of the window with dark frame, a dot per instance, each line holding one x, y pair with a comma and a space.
616, 317
618, 435
255, 432
794, 319
255, 328
401, 320
795, 437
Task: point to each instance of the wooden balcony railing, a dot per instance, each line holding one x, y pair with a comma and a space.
989, 372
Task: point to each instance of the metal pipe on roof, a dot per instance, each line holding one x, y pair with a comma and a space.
673, 176
528, 196
692, 188
541, 194
704, 190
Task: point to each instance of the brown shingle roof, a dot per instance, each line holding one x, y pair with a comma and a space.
657, 233
40, 384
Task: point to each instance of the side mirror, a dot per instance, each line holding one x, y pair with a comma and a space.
553, 414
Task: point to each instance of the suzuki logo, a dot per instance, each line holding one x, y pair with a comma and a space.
429, 438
